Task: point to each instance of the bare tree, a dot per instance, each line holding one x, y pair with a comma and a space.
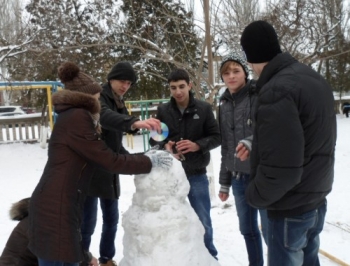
10, 28
59, 31
315, 33
90, 35
94, 35
13, 40
229, 18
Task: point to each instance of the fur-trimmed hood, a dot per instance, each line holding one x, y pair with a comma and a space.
65, 99
19, 210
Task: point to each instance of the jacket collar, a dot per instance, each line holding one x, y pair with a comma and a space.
238, 95
278, 63
107, 90
66, 99
190, 103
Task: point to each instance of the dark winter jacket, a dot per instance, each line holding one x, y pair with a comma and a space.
196, 124
114, 122
75, 149
346, 107
16, 252
294, 139
236, 114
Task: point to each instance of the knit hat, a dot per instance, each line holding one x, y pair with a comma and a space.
76, 80
259, 42
122, 71
238, 59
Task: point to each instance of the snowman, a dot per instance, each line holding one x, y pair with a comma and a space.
160, 227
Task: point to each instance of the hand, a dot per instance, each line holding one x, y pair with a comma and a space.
242, 152
185, 146
160, 159
223, 196
93, 262
170, 147
150, 124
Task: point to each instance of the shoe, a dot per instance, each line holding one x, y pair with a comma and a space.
109, 263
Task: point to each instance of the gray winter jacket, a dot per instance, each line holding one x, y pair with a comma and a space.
236, 114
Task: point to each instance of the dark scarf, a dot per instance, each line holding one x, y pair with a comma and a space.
119, 101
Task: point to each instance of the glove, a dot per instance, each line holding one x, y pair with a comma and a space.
153, 148
160, 159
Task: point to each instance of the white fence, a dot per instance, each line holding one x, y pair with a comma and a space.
23, 128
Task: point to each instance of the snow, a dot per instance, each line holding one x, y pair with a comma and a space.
22, 165
160, 227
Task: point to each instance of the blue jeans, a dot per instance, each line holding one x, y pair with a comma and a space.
248, 221
294, 241
110, 216
199, 199
56, 263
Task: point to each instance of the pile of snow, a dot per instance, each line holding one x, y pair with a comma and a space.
160, 227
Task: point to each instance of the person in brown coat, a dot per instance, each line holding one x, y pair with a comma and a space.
16, 252
75, 150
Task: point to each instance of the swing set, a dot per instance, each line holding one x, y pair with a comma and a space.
35, 127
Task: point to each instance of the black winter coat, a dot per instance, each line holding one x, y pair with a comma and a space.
294, 139
114, 122
236, 114
74, 151
196, 124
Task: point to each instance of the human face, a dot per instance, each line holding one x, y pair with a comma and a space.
179, 90
234, 77
120, 87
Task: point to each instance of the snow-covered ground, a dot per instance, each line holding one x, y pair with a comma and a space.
21, 166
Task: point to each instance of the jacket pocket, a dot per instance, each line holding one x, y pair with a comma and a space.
91, 137
296, 230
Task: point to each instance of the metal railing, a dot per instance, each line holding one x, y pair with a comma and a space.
143, 109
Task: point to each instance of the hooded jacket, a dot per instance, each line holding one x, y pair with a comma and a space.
16, 252
75, 150
294, 139
114, 121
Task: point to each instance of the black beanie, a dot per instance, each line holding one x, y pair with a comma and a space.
259, 42
122, 71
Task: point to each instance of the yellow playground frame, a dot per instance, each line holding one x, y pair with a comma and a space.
50, 86
144, 109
